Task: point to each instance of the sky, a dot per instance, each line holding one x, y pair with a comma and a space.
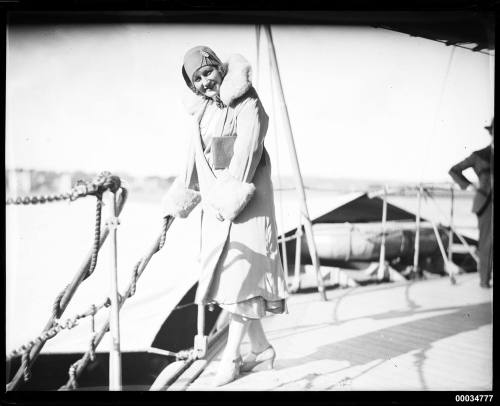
364, 103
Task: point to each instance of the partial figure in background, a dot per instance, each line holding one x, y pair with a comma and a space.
229, 170
481, 162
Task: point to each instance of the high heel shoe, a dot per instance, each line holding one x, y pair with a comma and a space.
263, 359
227, 372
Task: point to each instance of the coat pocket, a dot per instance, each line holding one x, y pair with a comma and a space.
222, 151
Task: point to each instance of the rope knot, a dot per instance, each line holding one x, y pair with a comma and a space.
105, 180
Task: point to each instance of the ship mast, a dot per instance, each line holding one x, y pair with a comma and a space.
299, 184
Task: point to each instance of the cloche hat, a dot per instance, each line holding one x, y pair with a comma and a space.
196, 58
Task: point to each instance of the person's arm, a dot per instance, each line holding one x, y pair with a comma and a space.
233, 188
183, 195
456, 173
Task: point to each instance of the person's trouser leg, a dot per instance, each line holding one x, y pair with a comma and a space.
485, 245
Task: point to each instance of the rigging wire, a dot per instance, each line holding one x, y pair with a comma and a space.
257, 61
432, 133
278, 175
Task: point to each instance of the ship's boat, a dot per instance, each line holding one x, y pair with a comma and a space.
362, 241
349, 232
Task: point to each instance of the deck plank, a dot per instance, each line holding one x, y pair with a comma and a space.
425, 335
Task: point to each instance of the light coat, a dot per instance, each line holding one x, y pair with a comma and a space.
239, 256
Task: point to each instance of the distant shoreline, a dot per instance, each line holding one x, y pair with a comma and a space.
24, 182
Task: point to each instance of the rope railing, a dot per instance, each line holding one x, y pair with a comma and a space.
32, 348
68, 324
103, 182
77, 367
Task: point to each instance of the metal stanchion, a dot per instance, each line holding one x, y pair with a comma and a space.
200, 339
449, 266
298, 254
450, 234
115, 370
382, 269
285, 257
417, 232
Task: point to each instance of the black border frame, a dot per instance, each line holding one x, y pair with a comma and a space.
223, 11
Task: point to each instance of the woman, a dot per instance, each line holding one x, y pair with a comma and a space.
481, 162
229, 170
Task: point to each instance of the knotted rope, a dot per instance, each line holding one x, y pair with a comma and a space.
52, 332
56, 307
77, 368
104, 181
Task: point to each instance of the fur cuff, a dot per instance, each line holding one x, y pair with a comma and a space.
179, 201
229, 196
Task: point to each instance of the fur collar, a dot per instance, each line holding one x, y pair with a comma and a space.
235, 84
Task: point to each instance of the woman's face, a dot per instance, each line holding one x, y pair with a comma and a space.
207, 81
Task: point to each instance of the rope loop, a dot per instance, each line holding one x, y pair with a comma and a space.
25, 364
72, 384
56, 307
166, 222
184, 355
70, 324
97, 236
92, 348
135, 276
93, 311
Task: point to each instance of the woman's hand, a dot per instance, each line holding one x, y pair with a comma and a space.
472, 188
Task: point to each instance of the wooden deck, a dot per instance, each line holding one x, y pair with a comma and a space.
424, 335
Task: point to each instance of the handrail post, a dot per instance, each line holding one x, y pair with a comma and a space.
285, 257
417, 232
381, 267
200, 339
298, 255
450, 234
115, 370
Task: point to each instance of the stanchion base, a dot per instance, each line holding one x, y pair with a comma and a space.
200, 346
